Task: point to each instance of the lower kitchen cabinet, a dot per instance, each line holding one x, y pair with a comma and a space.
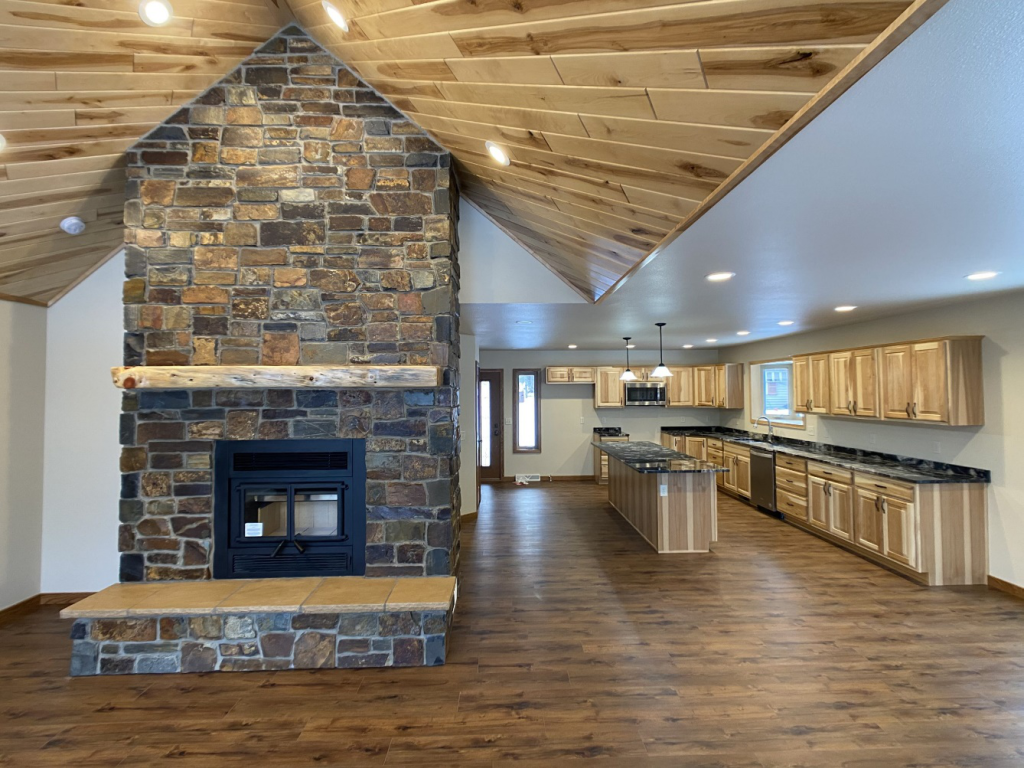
840, 522
868, 522
696, 447
737, 461
817, 502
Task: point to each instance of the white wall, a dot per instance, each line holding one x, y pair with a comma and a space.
81, 488
998, 446
22, 386
470, 355
568, 416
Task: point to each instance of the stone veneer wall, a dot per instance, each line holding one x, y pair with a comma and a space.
290, 216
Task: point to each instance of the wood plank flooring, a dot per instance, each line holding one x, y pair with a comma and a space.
574, 640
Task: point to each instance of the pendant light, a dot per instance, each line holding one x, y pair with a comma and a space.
627, 375
661, 372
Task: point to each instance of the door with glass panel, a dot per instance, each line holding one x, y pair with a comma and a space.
490, 426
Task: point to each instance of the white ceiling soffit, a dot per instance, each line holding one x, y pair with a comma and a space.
886, 201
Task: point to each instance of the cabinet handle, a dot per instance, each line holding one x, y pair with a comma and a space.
915, 410
854, 407
849, 406
885, 506
878, 503
810, 404
908, 410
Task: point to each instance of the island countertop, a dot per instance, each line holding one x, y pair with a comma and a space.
651, 458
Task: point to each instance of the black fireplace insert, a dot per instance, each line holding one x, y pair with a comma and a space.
289, 508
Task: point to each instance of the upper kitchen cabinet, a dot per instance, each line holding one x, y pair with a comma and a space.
705, 390
680, 388
811, 383
718, 386
608, 387
853, 383
569, 375
937, 381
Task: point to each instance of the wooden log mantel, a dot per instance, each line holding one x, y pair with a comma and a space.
277, 376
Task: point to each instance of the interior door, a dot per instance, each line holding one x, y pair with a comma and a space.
491, 432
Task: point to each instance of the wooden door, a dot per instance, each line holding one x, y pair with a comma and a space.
491, 421
558, 376
801, 384
840, 387
864, 382
608, 388
928, 373
900, 531
704, 384
817, 502
818, 365
680, 388
897, 382
742, 470
696, 447
868, 524
840, 498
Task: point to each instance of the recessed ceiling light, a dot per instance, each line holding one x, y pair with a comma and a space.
687, 346
73, 225
711, 341
720, 277
3, 142
335, 15
155, 13
972, 276
742, 333
631, 346
500, 155
524, 322
572, 346
785, 322
846, 308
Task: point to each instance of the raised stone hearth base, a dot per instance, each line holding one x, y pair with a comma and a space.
258, 641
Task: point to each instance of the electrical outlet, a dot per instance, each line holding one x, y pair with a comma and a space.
583, 420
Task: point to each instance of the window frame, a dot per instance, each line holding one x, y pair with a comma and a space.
756, 375
537, 378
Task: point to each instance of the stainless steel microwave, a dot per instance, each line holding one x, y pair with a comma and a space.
645, 393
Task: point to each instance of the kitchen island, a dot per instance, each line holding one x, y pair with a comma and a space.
667, 496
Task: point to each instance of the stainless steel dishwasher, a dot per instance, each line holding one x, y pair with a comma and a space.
762, 479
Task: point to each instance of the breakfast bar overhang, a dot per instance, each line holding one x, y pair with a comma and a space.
670, 498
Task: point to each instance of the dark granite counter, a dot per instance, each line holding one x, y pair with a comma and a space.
651, 458
905, 468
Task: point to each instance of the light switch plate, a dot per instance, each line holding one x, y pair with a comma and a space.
508, 421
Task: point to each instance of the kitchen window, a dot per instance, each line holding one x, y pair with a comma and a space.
771, 393
526, 411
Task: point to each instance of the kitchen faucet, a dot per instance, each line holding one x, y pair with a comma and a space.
771, 431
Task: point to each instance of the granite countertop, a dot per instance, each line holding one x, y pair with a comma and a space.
907, 469
651, 458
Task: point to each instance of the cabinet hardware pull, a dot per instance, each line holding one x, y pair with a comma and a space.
915, 410
849, 406
810, 404
908, 410
878, 503
885, 506
854, 407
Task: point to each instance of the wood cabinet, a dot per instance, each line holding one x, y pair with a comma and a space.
853, 383
696, 447
811, 383
840, 392
867, 521
742, 470
679, 388
830, 506
801, 383
887, 526
601, 458
608, 388
718, 386
938, 381
705, 386
568, 375
928, 374
737, 461
817, 502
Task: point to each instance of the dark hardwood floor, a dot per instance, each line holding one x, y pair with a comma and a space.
573, 640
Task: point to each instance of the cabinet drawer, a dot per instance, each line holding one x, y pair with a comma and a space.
884, 486
790, 504
737, 450
714, 444
828, 472
790, 481
790, 462
584, 375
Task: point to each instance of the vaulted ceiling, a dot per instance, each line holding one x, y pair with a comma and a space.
624, 119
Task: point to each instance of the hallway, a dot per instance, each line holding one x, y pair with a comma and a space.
573, 639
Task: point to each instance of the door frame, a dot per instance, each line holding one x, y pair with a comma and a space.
496, 376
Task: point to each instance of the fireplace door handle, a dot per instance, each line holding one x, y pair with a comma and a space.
302, 549
280, 546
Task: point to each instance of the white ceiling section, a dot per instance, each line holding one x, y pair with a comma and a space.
910, 181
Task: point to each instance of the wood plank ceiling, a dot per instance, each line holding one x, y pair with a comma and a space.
80, 82
620, 116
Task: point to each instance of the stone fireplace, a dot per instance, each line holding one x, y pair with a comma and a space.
289, 216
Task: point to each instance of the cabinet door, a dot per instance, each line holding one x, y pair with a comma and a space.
608, 388
897, 384
840, 498
819, 384
696, 447
840, 388
864, 382
801, 384
928, 373
900, 531
742, 471
582, 375
729, 481
558, 376
720, 386
817, 502
868, 525
680, 388
667, 440
717, 457
704, 384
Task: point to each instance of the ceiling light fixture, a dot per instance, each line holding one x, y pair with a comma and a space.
846, 308
524, 322
662, 371
687, 346
155, 13
500, 155
627, 375
742, 333
720, 277
630, 346
572, 346
785, 322
73, 225
711, 341
972, 276
335, 15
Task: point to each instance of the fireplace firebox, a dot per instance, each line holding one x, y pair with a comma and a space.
289, 508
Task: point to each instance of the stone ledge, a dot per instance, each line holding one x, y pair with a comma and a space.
335, 594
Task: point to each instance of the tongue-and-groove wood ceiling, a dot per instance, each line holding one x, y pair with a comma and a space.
624, 119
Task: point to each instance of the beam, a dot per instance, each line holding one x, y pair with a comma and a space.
277, 377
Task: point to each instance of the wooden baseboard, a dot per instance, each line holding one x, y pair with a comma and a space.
468, 515
554, 479
30, 604
1006, 586
62, 598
